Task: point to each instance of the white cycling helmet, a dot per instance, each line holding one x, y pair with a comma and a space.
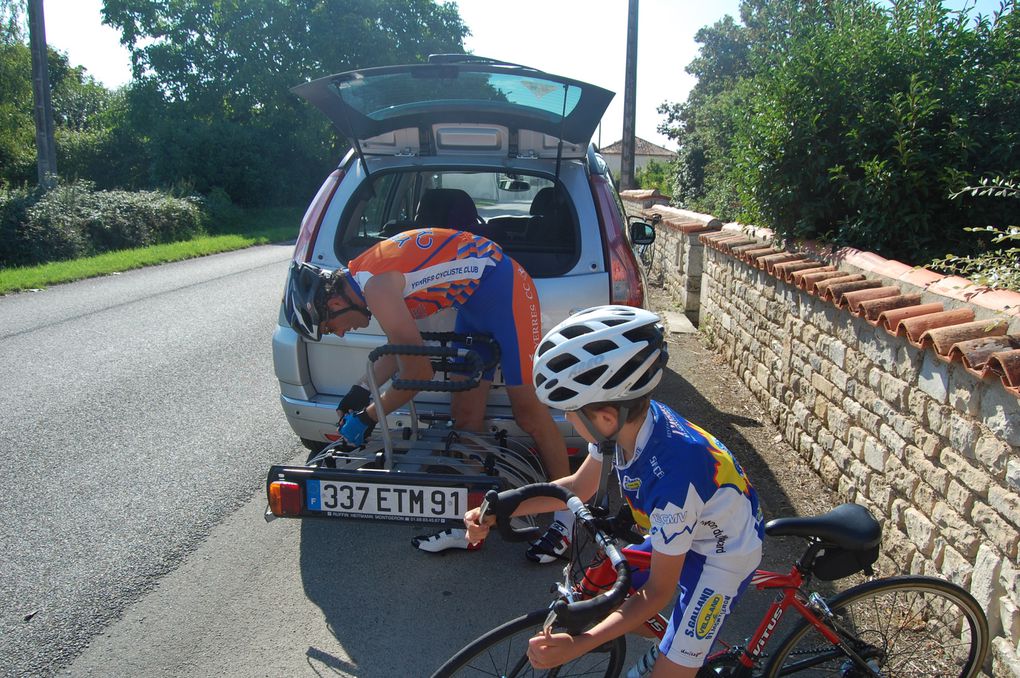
601, 354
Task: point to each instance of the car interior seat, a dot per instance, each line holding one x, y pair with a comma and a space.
550, 217
447, 208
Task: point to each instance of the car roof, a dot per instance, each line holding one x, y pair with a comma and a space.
368, 102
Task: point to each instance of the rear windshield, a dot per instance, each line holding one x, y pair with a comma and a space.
386, 96
531, 217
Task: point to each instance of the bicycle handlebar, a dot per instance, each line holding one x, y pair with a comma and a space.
572, 616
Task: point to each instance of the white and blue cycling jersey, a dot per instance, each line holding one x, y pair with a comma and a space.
687, 491
691, 496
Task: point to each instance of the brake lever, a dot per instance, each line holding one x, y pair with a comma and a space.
484, 508
491, 497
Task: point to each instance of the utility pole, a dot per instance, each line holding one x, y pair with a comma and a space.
629, 100
46, 148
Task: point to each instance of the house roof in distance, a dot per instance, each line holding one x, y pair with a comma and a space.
641, 147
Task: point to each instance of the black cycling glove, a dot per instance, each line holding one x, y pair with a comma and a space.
356, 399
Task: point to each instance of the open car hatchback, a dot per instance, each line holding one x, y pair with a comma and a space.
497, 149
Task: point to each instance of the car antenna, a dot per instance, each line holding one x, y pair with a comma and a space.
354, 137
563, 123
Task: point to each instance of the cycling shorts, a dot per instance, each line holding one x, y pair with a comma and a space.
707, 595
506, 307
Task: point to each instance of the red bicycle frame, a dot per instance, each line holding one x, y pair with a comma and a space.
601, 576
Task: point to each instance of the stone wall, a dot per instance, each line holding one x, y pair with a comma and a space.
931, 448
674, 263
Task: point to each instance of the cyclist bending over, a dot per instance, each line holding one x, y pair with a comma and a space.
410, 276
701, 515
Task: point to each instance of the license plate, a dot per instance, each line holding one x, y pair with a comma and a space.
418, 503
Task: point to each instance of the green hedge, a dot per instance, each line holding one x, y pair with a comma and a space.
853, 122
73, 220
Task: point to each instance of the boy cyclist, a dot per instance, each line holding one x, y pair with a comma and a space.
682, 485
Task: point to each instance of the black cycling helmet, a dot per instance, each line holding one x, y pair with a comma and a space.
304, 302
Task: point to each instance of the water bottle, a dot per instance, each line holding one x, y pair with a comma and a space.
643, 667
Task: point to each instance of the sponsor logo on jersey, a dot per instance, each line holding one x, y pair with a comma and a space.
669, 518
707, 613
718, 533
656, 469
631, 484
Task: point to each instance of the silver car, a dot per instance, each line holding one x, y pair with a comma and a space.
498, 149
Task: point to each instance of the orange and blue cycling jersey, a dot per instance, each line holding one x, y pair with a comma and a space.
446, 268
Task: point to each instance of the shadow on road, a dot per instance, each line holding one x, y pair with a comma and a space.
397, 611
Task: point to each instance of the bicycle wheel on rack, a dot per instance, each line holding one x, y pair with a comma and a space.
503, 652
902, 626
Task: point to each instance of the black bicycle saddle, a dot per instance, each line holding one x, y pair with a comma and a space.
850, 526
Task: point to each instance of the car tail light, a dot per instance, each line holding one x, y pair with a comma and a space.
312, 220
285, 498
626, 285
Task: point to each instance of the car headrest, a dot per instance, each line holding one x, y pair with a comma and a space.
447, 208
547, 202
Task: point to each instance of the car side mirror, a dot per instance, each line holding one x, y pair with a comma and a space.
642, 233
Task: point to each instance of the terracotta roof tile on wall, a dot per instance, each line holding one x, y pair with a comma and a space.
982, 346
649, 204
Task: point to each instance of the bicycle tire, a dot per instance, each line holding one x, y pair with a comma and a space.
503, 652
906, 626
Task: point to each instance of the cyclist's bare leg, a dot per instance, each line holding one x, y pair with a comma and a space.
664, 668
535, 419
468, 407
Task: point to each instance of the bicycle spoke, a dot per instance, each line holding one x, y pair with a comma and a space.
906, 627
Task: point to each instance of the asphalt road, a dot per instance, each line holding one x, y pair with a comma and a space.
139, 416
138, 411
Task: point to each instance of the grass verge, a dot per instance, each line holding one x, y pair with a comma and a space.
254, 227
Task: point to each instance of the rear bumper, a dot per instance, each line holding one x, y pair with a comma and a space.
402, 497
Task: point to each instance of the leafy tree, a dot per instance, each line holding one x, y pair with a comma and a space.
655, 174
17, 128
213, 79
12, 29
700, 125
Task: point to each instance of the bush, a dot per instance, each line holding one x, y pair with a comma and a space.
108, 158
657, 175
14, 206
222, 215
852, 122
997, 268
74, 220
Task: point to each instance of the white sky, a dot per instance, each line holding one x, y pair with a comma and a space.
581, 39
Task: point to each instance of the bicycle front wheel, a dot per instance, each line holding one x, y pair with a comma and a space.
901, 626
503, 652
